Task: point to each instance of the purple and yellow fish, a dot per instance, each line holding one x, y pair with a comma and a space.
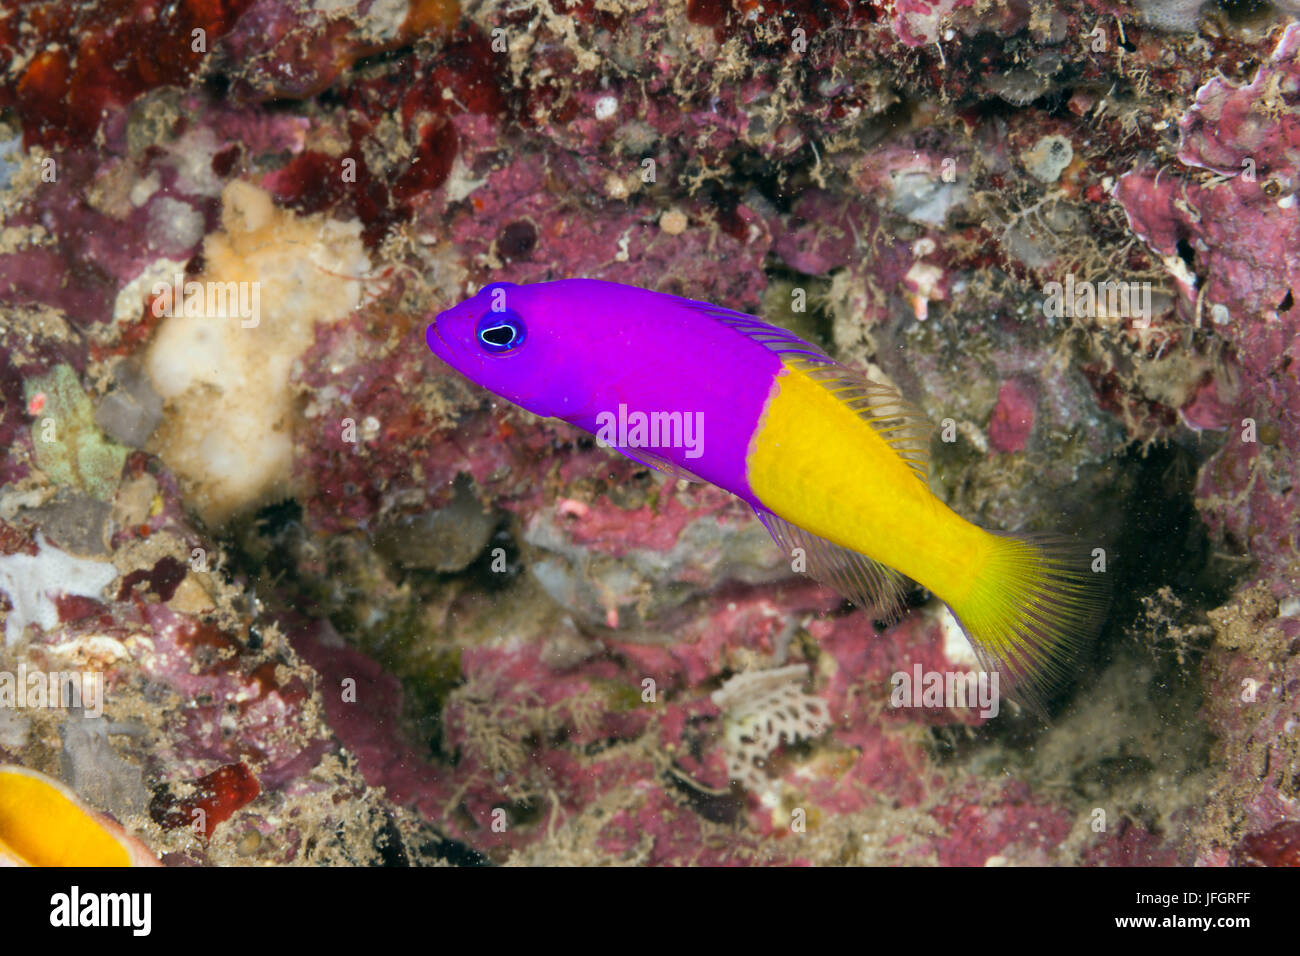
831, 462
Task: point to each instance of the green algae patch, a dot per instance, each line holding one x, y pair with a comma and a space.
68, 446
620, 696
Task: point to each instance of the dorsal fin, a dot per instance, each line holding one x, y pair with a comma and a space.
901, 424
869, 584
773, 337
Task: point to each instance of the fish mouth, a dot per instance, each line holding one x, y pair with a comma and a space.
430, 334
450, 352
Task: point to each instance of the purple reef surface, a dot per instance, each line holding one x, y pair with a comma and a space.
350, 608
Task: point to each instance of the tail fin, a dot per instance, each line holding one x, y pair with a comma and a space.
1035, 607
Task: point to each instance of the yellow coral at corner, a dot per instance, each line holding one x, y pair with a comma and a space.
43, 823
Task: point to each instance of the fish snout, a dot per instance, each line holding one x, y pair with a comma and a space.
433, 338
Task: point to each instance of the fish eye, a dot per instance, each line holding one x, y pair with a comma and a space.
501, 331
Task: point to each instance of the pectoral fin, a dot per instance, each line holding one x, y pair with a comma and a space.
658, 463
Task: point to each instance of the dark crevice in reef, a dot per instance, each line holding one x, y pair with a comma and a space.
282, 563
1164, 541
1161, 548
264, 548
1244, 11
1163, 544
373, 603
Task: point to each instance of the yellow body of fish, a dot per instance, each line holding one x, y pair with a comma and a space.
844, 460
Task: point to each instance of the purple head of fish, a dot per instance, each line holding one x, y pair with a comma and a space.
522, 342
594, 352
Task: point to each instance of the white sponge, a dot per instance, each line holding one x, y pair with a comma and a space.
32, 581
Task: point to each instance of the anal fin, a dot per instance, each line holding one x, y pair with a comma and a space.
872, 586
